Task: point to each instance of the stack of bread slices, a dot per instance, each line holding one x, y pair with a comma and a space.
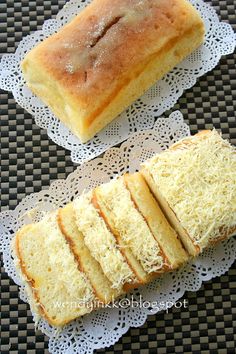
125, 233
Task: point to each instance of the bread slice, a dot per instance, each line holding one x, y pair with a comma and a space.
140, 274
170, 246
195, 184
60, 291
102, 243
101, 285
117, 206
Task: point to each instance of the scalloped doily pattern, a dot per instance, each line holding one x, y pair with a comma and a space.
220, 40
104, 327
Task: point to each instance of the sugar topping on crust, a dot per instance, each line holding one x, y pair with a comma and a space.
111, 37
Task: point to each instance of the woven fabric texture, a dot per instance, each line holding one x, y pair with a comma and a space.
30, 160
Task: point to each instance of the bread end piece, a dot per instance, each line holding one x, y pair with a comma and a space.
202, 211
192, 249
47, 268
35, 305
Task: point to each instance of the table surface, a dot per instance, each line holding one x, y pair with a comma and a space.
30, 161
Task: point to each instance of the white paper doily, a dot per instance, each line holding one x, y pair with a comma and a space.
104, 327
220, 40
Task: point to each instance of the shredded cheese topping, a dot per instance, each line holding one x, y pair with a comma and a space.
130, 224
197, 177
62, 260
101, 243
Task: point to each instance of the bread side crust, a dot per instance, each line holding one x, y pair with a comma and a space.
142, 77
131, 184
225, 234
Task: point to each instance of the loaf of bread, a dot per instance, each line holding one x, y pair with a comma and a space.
124, 233
95, 249
108, 56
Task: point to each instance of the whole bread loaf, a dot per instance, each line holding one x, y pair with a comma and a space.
108, 56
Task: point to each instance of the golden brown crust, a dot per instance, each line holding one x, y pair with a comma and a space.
68, 240
109, 38
197, 248
171, 247
110, 44
194, 250
83, 256
136, 71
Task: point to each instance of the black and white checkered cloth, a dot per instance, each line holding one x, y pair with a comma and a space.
29, 161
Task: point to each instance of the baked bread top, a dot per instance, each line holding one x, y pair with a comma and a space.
90, 57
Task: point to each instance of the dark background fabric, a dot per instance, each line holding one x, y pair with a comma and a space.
30, 161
